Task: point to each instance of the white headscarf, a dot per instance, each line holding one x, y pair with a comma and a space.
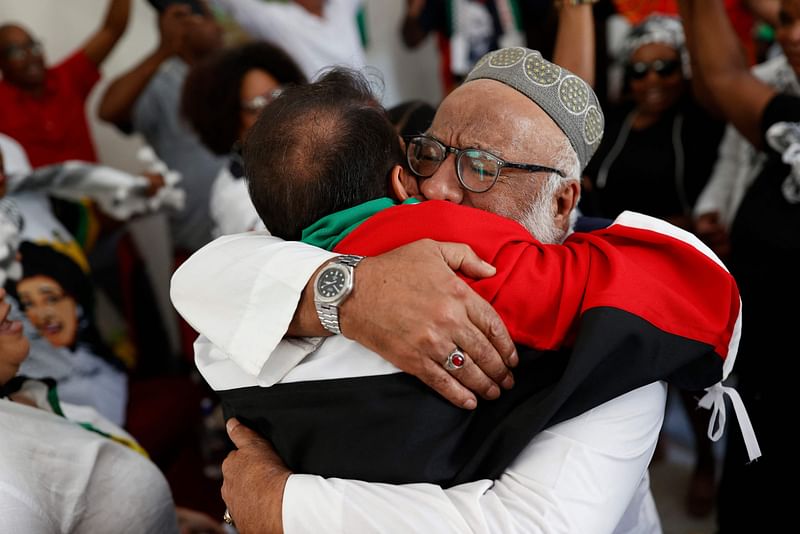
661, 29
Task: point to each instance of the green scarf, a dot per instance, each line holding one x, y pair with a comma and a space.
330, 230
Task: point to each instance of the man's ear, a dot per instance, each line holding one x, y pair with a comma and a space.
566, 201
404, 184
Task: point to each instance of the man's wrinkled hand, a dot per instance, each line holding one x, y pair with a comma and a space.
410, 307
254, 477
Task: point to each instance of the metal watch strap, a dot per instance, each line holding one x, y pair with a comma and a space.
329, 313
350, 260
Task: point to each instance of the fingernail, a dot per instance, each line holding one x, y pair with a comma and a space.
230, 424
490, 267
470, 404
513, 360
508, 382
493, 392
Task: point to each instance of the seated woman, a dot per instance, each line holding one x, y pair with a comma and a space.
57, 298
57, 475
222, 98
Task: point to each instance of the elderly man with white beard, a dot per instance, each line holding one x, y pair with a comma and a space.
569, 506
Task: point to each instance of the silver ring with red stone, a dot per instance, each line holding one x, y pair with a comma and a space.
455, 360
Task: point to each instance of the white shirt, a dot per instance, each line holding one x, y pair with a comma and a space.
313, 42
559, 484
586, 475
57, 477
231, 207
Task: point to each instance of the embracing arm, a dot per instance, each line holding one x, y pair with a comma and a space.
541, 291
103, 41
407, 305
558, 484
117, 103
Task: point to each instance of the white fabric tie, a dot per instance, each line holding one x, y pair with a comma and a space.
714, 400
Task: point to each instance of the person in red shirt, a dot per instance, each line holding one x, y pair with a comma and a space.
43, 108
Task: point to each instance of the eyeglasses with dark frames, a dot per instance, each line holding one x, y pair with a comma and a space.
18, 51
662, 67
477, 169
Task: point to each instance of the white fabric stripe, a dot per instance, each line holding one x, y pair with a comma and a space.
645, 222
632, 219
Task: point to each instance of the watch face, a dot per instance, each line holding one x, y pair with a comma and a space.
331, 283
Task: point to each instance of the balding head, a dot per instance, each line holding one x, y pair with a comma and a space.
318, 149
21, 58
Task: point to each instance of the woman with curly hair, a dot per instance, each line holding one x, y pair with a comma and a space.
222, 98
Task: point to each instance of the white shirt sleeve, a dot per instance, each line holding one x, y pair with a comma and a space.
716, 196
582, 475
221, 291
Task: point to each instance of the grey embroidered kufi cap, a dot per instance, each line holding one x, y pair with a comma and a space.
565, 97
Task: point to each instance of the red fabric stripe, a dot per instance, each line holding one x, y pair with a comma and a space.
541, 291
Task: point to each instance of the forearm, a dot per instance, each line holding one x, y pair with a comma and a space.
720, 68
305, 321
411, 30
258, 282
103, 41
574, 48
117, 17
117, 103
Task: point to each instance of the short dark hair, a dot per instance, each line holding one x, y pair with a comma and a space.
211, 99
412, 118
318, 149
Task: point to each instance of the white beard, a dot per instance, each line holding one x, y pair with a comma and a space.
539, 219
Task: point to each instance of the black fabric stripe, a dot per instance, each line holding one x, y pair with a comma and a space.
392, 428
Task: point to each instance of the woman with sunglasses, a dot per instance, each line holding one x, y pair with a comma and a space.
657, 155
659, 146
222, 98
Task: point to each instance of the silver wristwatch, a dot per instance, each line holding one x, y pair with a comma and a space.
331, 287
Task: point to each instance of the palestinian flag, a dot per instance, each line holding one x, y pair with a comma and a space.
605, 313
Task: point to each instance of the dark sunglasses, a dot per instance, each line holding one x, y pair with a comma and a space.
18, 52
662, 67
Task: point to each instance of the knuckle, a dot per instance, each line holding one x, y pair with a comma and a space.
459, 288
